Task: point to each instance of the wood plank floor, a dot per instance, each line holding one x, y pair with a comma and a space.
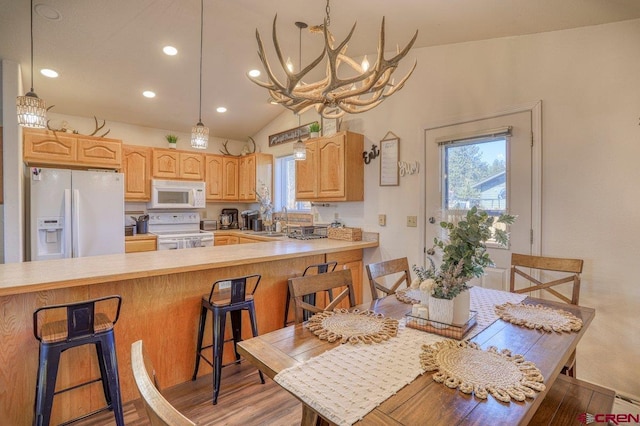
243, 400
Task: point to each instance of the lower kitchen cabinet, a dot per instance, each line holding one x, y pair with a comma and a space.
225, 240
138, 243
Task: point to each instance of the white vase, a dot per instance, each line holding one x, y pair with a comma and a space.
172, 145
424, 297
314, 134
440, 312
461, 307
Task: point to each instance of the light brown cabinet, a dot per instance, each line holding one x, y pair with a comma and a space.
333, 170
229, 178
225, 240
173, 164
138, 243
237, 178
136, 166
63, 149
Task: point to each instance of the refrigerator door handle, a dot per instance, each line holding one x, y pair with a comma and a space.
67, 224
76, 222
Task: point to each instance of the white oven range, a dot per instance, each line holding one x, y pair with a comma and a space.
179, 230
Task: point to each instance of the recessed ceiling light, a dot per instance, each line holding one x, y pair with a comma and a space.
149, 94
221, 109
170, 50
47, 12
254, 73
49, 73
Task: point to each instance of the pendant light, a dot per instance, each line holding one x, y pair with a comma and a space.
32, 111
200, 133
299, 148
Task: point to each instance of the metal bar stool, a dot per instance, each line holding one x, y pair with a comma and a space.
82, 326
320, 268
232, 300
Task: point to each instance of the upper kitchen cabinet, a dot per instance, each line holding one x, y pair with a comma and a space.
136, 166
65, 149
237, 178
333, 170
229, 178
173, 164
253, 171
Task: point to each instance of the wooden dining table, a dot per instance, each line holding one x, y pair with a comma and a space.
424, 401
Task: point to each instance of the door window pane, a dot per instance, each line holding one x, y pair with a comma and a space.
474, 175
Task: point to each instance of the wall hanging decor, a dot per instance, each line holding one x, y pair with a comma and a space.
301, 132
371, 155
389, 155
408, 167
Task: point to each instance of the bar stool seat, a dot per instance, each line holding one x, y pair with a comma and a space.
82, 326
232, 300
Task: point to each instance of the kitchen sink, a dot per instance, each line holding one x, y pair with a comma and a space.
267, 234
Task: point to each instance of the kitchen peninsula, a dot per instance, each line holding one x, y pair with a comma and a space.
161, 293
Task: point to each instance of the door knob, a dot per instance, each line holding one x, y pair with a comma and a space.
432, 220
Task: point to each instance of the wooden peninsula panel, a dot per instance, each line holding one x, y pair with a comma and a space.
161, 294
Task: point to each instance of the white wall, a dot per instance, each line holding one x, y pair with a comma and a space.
588, 81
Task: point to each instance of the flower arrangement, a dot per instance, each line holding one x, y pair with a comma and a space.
464, 255
264, 198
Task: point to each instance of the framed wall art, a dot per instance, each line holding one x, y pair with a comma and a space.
329, 126
389, 156
300, 132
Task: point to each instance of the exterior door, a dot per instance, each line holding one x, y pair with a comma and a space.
485, 163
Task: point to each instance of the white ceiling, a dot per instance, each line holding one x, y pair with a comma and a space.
108, 51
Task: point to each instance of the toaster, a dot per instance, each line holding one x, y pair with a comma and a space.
208, 224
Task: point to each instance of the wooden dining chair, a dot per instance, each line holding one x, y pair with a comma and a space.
300, 287
159, 410
395, 269
524, 266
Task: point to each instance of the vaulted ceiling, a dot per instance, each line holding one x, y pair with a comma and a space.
109, 52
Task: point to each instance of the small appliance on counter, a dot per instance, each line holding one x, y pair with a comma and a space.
248, 216
208, 224
229, 219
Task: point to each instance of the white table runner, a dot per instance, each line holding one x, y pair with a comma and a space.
345, 383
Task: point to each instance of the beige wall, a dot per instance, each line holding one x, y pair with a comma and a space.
588, 81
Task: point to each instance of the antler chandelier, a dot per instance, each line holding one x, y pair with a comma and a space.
333, 96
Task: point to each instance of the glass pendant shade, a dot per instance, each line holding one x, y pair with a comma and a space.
200, 136
32, 111
299, 150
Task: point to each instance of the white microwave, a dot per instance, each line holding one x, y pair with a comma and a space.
177, 194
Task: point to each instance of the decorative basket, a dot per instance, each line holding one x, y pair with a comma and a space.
347, 234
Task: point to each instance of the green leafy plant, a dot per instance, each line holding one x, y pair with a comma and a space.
464, 254
171, 138
314, 127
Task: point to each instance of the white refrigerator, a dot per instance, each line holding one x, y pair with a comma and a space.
75, 213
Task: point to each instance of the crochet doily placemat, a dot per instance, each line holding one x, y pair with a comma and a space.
464, 365
539, 317
353, 327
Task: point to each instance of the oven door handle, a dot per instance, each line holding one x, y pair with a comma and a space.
168, 243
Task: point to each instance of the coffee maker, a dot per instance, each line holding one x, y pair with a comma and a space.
247, 219
229, 219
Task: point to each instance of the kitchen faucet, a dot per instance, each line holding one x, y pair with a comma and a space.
286, 219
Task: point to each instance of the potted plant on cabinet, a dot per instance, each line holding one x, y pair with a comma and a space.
314, 130
173, 141
464, 256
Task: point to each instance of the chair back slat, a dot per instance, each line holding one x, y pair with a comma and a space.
159, 410
388, 268
237, 292
311, 284
573, 267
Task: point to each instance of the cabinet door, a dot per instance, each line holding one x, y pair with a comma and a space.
247, 178
331, 153
230, 178
99, 152
165, 163
43, 147
307, 174
191, 166
136, 166
214, 176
